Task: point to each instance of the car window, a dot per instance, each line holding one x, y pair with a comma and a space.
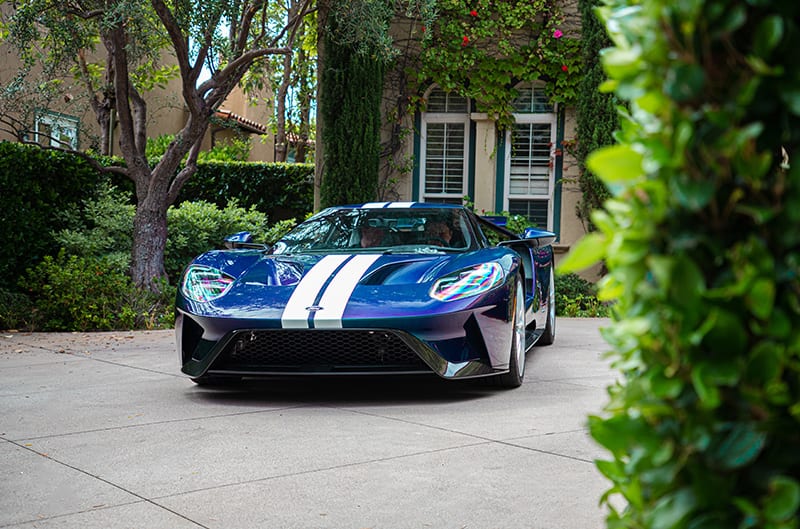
414, 230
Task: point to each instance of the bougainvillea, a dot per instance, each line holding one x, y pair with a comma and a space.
481, 48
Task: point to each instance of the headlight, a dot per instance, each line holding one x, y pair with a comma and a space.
202, 283
469, 282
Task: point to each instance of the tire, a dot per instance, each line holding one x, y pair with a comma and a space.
549, 335
516, 363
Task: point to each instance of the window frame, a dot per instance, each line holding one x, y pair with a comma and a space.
533, 118
444, 118
57, 122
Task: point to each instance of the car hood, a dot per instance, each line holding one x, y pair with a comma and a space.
332, 286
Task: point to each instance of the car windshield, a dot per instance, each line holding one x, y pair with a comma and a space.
390, 230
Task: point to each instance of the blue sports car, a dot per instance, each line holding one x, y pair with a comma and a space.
379, 288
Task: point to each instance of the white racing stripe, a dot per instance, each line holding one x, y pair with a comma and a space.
295, 314
338, 293
374, 205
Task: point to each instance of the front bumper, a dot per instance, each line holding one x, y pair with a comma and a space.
470, 343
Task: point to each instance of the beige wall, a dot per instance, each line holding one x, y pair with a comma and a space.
254, 107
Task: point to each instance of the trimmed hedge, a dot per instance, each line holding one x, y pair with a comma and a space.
42, 191
281, 190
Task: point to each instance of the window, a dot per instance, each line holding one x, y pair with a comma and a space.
56, 130
445, 141
530, 144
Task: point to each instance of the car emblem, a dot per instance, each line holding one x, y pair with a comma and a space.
313, 308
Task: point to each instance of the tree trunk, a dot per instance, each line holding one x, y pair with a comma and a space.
281, 141
149, 242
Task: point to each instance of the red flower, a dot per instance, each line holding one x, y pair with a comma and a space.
564, 68
465, 41
474, 12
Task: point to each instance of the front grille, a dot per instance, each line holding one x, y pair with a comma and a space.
316, 350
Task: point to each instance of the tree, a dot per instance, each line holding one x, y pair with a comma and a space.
293, 93
597, 111
221, 37
703, 260
352, 84
354, 48
292, 77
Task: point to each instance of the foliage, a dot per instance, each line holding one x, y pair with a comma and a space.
293, 82
16, 310
482, 49
221, 38
41, 193
74, 293
704, 261
107, 232
87, 286
577, 297
596, 111
281, 191
352, 86
235, 150
196, 227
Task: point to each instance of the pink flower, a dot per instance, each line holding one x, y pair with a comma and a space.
557, 34
465, 41
474, 12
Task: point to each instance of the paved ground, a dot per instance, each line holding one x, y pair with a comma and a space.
101, 431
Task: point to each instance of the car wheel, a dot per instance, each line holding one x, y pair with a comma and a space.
516, 363
549, 335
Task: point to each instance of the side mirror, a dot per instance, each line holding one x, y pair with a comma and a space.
243, 239
533, 237
541, 237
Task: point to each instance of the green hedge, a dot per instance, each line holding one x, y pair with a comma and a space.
702, 246
281, 190
40, 191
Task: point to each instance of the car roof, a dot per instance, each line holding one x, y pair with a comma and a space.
401, 205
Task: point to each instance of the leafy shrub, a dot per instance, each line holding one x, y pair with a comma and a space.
577, 297
107, 232
41, 192
280, 190
74, 293
16, 310
701, 244
196, 227
193, 228
235, 150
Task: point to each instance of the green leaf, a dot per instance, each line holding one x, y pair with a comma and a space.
671, 509
685, 82
768, 34
736, 445
622, 62
589, 251
691, 193
784, 499
761, 297
616, 164
705, 388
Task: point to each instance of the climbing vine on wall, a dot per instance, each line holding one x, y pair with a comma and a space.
480, 49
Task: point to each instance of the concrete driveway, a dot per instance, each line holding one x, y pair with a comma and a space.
101, 430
